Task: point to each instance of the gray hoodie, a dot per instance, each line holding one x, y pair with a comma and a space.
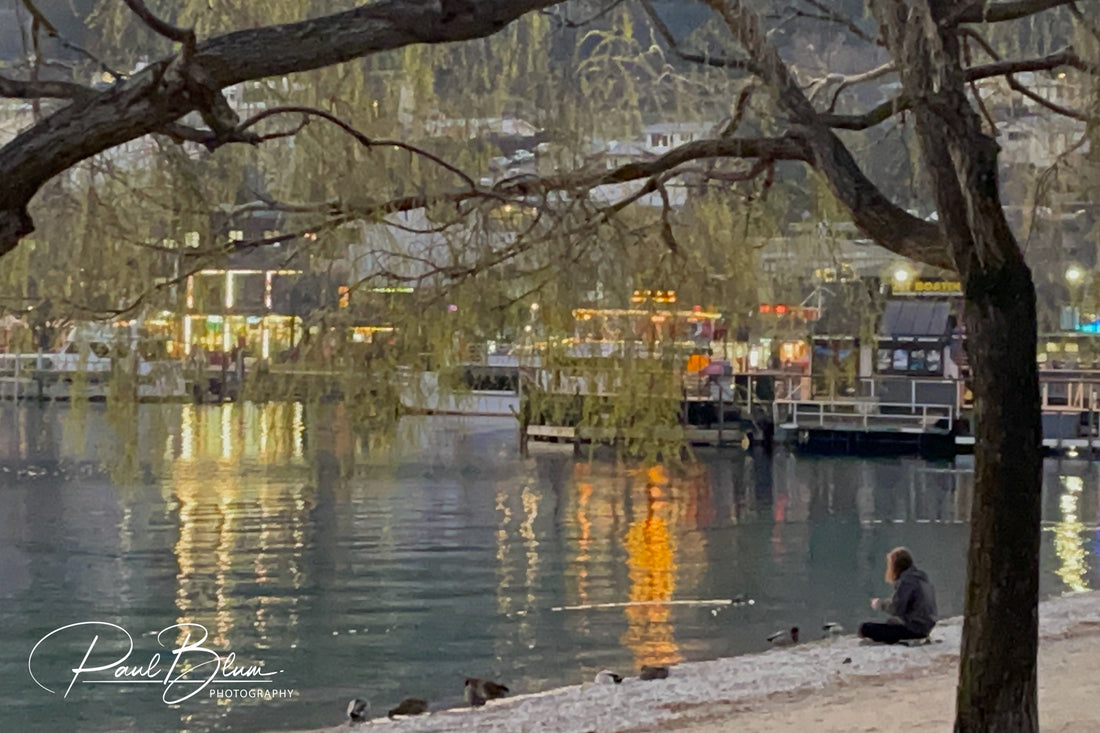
914, 601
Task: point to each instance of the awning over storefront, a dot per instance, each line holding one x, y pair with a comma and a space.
916, 319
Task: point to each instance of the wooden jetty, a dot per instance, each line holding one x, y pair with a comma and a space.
582, 406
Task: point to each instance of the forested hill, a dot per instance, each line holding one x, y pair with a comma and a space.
681, 16
65, 15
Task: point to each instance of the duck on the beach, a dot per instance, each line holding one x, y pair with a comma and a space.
477, 692
358, 711
607, 677
832, 629
785, 638
408, 706
653, 673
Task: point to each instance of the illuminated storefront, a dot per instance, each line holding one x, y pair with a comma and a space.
642, 325
235, 309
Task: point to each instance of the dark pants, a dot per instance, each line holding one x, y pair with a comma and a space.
887, 633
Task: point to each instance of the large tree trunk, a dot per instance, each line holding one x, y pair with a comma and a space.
997, 688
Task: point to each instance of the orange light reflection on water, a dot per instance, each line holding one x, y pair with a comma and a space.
651, 560
645, 511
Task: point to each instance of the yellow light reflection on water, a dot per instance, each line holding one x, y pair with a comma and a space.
227, 431
651, 559
504, 580
185, 545
265, 434
1067, 536
223, 554
236, 525
584, 540
272, 434
298, 430
187, 432
530, 500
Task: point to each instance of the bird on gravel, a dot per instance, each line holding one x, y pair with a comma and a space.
477, 692
607, 677
653, 673
408, 706
832, 629
785, 638
358, 711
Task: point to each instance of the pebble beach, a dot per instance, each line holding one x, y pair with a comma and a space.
839, 684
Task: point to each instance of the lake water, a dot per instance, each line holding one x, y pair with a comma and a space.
394, 561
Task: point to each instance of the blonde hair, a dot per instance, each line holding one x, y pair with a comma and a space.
898, 560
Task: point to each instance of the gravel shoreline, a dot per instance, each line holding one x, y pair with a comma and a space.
698, 692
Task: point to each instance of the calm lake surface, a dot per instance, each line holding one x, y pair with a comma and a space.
396, 561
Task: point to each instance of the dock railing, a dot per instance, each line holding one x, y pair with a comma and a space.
904, 416
870, 403
1069, 393
886, 401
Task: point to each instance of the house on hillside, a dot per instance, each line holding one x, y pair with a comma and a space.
663, 136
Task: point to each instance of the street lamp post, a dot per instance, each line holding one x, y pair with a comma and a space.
1075, 276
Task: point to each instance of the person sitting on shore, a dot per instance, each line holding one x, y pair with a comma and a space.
912, 607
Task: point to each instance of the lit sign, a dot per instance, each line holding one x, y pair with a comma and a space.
657, 296
928, 287
798, 311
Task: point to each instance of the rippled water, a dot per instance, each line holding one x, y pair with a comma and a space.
394, 562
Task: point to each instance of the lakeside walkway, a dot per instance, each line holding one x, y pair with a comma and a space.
915, 702
839, 685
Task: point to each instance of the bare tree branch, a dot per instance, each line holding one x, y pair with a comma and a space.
1084, 21
983, 11
740, 107
180, 133
1065, 57
781, 148
667, 235
565, 21
39, 20
891, 107
978, 101
1019, 87
19, 89
1016, 85
359, 137
577, 186
185, 36
766, 150
165, 90
696, 58
885, 222
832, 16
1043, 180
862, 78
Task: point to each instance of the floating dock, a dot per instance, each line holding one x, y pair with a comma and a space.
927, 417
